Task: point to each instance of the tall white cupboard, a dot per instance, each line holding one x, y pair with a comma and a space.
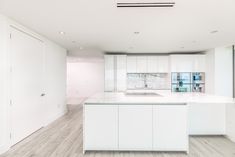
115, 73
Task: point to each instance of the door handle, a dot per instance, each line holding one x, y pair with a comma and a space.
43, 94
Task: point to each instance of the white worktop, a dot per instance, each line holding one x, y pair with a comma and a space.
167, 97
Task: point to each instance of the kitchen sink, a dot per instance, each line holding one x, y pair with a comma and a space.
142, 94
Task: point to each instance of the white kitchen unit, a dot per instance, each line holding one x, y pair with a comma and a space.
207, 118
109, 76
121, 73
131, 64
163, 64
152, 64
135, 127
157, 64
141, 64
187, 63
101, 127
114, 121
199, 63
170, 127
115, 73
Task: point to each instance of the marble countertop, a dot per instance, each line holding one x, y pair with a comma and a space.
166, 97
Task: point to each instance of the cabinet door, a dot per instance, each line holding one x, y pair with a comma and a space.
135, 127
199, 63
207, 119
109, 73
141, 64
162, 64
170, 128
182, 63
101, 127
131, 64
152, 64
121, 73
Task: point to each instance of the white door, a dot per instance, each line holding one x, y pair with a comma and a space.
101, 127
109, 73
121, 73
135, 127
170, 129
26, 85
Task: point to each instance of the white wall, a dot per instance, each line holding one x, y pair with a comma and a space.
54, 80
210, 72
224, 71
219, 81
84, 78
219, 71
3, 81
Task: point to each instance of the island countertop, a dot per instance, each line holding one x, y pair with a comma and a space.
166, 97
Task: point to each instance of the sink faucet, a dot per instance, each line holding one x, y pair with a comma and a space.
145, 81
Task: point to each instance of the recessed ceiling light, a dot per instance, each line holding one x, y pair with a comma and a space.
81, 48
214, 31
136, 32
62, 33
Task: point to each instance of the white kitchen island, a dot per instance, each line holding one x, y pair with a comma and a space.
120, 122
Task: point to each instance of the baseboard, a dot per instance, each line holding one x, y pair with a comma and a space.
231, 138
3, 149
55, 117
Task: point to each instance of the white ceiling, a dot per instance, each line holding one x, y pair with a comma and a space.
98, 25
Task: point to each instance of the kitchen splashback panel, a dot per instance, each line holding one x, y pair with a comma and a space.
151, 81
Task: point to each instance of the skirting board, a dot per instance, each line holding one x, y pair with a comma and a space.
4, 149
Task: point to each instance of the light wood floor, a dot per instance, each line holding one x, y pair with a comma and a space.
63, 138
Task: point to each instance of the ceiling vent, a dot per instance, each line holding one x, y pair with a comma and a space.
153, 5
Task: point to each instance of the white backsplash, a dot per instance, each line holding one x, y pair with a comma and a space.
155, 81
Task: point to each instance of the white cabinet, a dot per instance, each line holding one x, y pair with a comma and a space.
207, 119
187, 63
109, 73
152, 64
182, 63
163, 64
157, 64
135, 127
199, 63
101, 127
121, 73
131, 64
170, 131
141, 64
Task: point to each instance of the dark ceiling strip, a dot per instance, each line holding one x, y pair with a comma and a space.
147, 3
147, 6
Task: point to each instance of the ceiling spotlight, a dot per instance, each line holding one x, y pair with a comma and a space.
136, 32
214, 31
62, 33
